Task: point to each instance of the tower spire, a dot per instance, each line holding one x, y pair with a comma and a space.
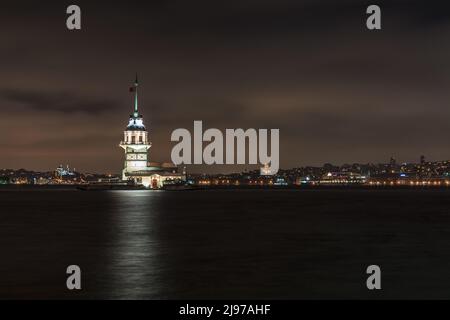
136, 113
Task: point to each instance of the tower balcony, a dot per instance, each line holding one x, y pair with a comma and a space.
133, 143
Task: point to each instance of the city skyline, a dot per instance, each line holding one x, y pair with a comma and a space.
391, 174
65, 100
392, 162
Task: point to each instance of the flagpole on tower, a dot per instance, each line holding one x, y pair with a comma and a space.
136, 113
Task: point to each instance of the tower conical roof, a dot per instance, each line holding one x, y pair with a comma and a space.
136, 120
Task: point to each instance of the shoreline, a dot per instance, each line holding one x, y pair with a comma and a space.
265, 188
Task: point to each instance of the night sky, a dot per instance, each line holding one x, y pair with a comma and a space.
338, 92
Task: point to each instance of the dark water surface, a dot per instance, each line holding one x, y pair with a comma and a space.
225, 244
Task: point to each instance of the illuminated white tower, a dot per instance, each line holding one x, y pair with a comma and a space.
135, 141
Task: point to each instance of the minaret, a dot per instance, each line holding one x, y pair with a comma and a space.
135, 142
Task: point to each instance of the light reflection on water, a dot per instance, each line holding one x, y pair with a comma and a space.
134, 251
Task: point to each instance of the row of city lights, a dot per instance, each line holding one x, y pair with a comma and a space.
412, 183
371, 183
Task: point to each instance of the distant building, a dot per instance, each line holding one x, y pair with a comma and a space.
340, 178
4, 180
136, 144
422, 160
64, 172
393, 162
265, 170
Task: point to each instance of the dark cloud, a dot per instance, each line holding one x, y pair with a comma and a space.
56, 101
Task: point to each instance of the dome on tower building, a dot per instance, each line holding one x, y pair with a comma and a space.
136, 123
